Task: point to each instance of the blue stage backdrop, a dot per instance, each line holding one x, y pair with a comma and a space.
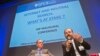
47, 20
23, 22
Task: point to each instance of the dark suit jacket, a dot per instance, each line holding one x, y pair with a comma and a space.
71, 52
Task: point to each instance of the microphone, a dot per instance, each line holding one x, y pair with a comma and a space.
69, 38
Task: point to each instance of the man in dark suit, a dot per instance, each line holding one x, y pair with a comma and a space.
74, 45
40, 51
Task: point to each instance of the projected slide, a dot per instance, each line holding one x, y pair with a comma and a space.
46, 20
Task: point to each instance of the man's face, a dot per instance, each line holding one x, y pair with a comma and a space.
40, 44
68, 32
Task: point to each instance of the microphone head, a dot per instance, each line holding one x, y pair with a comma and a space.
69, 38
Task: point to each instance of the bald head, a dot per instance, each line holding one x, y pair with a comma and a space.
39, 43
39, 40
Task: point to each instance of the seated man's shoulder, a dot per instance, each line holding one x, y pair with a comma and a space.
45, 49
33, 51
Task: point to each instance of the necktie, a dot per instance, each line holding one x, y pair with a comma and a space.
40, 52
76, 52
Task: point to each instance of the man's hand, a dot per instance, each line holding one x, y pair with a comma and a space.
68, 44
78, 38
